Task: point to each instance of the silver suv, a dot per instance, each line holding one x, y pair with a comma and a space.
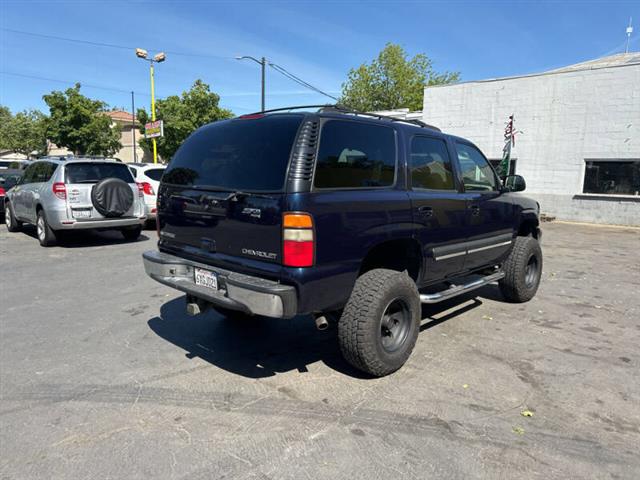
59, 195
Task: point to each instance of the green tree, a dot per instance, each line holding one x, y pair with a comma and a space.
25, 132
79, 124
182, 115
5, 120
392, 81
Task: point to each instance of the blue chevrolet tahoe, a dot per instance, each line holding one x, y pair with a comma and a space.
340, 214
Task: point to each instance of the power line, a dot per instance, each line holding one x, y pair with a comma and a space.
100, 87
276, 67
56, 80
299, 81
110, 45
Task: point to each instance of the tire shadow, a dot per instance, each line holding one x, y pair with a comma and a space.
259, 347
85, 238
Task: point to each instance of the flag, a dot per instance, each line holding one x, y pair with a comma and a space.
509, 141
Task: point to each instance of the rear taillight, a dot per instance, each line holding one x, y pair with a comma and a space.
147, 188
298, 245
140, 189
2, 192
60, 190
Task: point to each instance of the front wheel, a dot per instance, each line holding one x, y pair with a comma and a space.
46, 235
131, 233
379, 325
523, 270
13, 225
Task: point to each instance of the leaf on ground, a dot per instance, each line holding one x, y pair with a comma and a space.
518, 430
487, 317
526, 413
465, 386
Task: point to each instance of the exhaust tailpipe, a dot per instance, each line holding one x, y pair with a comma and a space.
322, 323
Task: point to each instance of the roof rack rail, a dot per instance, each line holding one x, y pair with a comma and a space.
327, 107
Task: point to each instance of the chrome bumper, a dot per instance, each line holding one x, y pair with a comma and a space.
236, 291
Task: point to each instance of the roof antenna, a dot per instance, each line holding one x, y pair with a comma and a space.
629, 32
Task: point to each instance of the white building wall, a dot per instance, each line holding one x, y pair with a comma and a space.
565, 118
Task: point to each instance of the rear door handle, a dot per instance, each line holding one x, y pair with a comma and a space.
425, 211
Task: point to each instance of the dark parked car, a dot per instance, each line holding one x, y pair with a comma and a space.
8, 178
335, 213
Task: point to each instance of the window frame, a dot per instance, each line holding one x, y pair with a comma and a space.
323, 122
454, 170
499, 188
606, 195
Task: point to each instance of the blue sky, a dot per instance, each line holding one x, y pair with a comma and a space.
319, 41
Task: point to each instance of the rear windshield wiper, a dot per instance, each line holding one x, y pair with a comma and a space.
235, 196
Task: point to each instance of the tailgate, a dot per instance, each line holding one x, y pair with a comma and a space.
208, 222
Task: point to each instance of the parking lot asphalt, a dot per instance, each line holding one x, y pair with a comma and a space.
103, 375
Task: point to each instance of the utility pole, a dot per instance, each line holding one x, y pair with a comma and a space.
629, 32
133, 128
263, 64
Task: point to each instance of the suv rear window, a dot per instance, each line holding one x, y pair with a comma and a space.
154, 173
355, 155
240, 154
91, 172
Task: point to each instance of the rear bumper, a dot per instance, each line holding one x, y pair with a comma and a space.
236, 291
66, 224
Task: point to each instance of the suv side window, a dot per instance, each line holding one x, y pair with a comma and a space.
28, 176
477, 174
429, 164
42, 172
355, 155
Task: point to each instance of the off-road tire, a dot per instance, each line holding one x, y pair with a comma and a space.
10, 220
46, 234
131, 233
359, 327
519, 283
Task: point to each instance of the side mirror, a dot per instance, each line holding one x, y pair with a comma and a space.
515, 183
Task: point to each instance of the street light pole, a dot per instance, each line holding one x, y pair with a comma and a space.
153, 112
263, 64
133, 128
160, 57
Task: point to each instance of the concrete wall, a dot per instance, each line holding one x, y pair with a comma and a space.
565, 118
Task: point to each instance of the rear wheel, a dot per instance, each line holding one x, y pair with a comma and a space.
131, 233
46, 235
13, 225
379, 326
523, 270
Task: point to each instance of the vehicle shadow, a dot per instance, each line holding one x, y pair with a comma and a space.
261, 347
86, 238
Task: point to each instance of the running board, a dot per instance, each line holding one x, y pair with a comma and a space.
456, 290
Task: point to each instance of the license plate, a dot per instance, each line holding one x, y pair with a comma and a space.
81, 213
206, 278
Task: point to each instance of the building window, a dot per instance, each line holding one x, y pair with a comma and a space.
612, 177
495, 163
